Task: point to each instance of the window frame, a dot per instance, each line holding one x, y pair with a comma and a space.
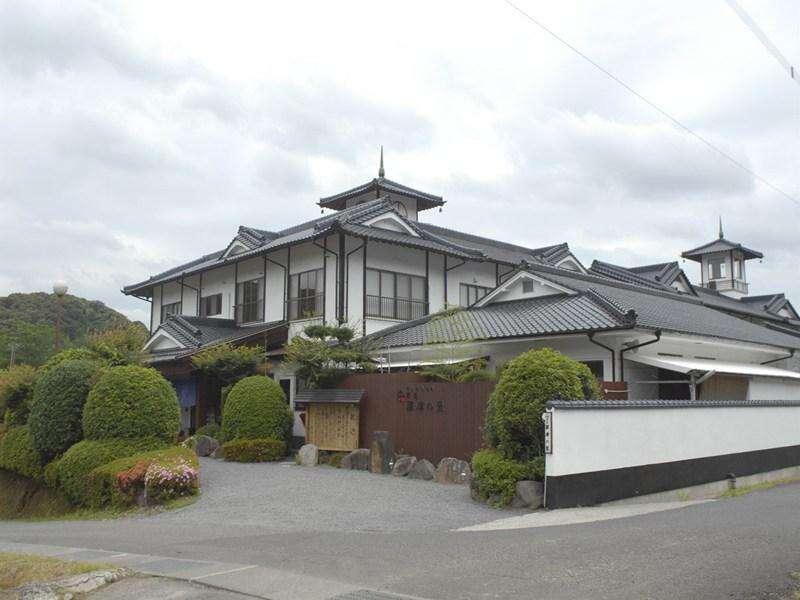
256, 313
164, 308
472, 287
204, 301
388, 305
293, 296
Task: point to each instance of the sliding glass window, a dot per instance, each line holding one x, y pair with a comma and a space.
395, 295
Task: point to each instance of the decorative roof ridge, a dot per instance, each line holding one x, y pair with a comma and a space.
533, 251
627, 317
610, 270
722, 240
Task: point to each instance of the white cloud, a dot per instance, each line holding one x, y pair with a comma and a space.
135, 137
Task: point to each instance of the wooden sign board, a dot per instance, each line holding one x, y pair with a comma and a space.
332, 426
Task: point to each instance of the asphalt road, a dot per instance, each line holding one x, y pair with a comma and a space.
740, 548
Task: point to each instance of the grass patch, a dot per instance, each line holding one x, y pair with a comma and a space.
764, 485
19, 569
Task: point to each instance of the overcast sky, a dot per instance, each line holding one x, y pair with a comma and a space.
135, 138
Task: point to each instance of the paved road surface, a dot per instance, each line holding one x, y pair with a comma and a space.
739, 548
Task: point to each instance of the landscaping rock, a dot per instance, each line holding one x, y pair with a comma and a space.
422, 469
67, 587
403, 465
308, 456
357, 460
204, 445
529, 494
382, 453
453, 470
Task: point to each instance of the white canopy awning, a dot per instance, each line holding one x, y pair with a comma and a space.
383, 362
704, 365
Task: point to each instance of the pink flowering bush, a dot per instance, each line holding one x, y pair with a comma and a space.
165, 481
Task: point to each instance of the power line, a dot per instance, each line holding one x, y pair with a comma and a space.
762, 37
654, 106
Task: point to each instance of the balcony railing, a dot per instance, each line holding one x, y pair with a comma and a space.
249, 312
724, 285
401, 309
306, 307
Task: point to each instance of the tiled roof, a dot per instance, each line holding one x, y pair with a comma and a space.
545, 315
654, 309
671, 311
626, 275
380, 186
717, 246
494, 249
336, 396
196, 333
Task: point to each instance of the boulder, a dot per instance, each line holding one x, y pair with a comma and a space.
529, 494
382, 453
403, 465
422, 469
357, 460
453, 470
204, 445
308, 455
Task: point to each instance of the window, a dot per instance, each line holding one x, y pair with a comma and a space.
211, 305
174, 308
527, 286
469, 294
250, 306
395, 295
717, 268
306, 296
737, 268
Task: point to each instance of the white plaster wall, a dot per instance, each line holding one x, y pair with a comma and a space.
355, 285
473, 273
771, 388
436, 283
601, 439
189, 302
395, 258
275, 294
577, 348
220, 281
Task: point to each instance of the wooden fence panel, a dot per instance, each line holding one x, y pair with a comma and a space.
427, 420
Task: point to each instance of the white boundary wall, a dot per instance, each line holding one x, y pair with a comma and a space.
599, 439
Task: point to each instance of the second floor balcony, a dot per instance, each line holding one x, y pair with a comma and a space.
402, 309
728, 284
249, 312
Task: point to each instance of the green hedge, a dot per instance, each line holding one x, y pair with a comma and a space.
131, 402
495, 477
255, 450
212, 430
73, 468
17, 453
57, 407
256, 408
118, 482
514, 412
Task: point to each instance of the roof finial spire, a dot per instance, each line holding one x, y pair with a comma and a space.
720, 228
381, 172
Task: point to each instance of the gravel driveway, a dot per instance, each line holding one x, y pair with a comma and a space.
284, 497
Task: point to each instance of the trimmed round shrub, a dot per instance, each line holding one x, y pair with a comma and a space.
68, 354
514, 412
257, 450
495, 477
18, 454
73, 468
57, 408
131, 402
256, 407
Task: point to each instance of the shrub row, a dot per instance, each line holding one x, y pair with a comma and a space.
161, 474
212, 430
17, 453
254, 450
70, 472
496, 477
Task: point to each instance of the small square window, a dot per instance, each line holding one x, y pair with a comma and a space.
527, 286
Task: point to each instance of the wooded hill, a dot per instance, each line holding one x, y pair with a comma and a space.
27, 321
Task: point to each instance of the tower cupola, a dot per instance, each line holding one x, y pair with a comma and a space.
722, 265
